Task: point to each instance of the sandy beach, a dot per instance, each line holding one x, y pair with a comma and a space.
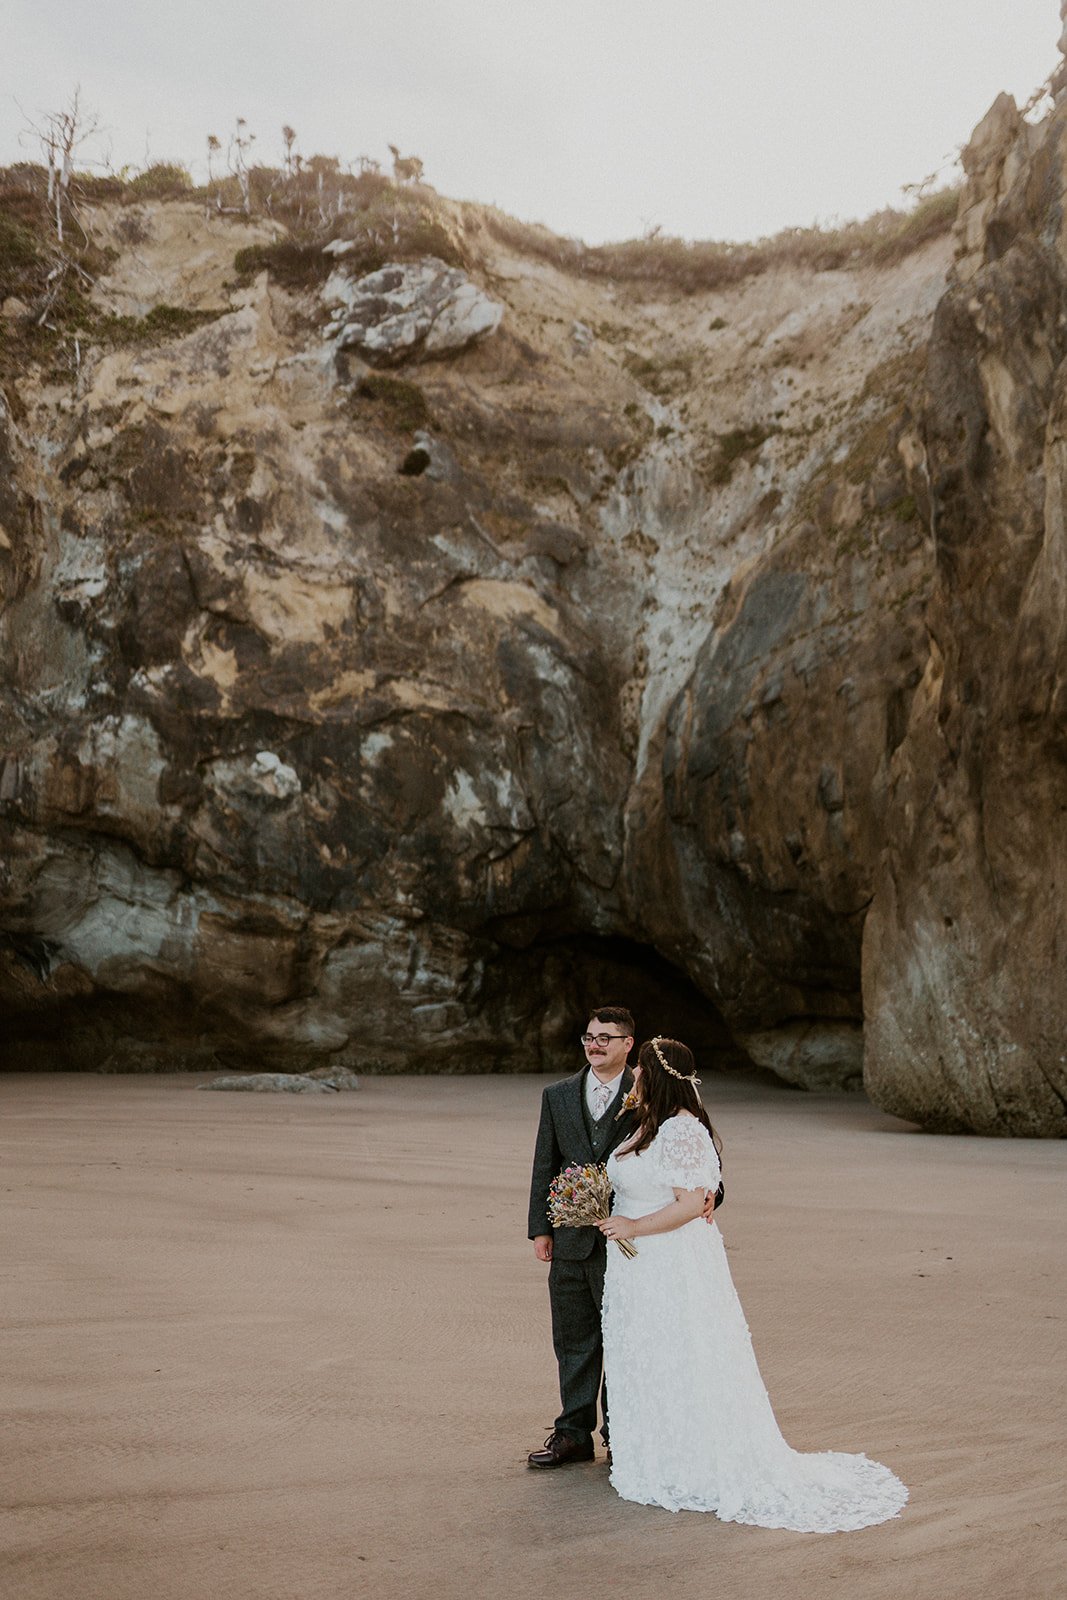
288, 1347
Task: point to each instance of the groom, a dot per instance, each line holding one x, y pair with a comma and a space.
580, 1124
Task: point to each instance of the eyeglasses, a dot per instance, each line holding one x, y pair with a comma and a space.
602, 1039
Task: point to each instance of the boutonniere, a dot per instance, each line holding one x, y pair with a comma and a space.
629, 1103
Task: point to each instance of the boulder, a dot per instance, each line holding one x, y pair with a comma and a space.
334, 1078
272, 1083
409, 311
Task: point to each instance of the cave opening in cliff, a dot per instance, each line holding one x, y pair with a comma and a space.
556, 983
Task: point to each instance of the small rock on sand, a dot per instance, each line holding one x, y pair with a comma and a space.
322, 1081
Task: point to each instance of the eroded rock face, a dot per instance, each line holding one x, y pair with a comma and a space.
760, 825
389, 720
312, 725
964, 981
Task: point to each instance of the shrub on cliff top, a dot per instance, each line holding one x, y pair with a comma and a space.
294, 263
395, 226
400, 225
20, 259
164, 180
900, 234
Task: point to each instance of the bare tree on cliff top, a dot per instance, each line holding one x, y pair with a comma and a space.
60, 135
291, 161
240, 143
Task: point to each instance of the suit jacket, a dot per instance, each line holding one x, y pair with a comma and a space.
563, 1141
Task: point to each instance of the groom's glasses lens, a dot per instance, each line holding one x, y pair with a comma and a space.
602, 1039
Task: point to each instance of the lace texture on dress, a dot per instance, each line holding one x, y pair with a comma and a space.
685, 1154
692, 1428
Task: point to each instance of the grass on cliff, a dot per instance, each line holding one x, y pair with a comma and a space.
403, 403
692, 265
43, 284
735, 446
155, 327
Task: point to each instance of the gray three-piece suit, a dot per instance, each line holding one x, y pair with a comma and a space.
569, 1135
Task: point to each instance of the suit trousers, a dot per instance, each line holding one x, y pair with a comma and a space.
575, 1292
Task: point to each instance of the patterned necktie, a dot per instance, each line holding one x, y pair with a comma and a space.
601, 1096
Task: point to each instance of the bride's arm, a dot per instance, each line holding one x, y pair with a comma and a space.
687, 1204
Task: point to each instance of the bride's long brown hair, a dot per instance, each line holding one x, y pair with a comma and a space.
660, 1094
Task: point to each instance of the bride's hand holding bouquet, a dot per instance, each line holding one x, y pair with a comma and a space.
621, 1229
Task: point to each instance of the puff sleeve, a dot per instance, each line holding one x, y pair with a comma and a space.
687, 1156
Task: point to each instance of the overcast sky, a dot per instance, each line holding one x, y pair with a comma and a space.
600, 118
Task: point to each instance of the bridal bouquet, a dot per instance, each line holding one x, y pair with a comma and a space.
580, 1196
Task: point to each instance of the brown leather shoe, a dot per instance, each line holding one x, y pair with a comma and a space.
560, 1450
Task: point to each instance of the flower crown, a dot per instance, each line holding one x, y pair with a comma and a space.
665, 1064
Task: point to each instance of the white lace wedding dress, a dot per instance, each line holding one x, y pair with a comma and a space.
691, 1425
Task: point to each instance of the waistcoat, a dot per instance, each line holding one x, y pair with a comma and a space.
601, 1133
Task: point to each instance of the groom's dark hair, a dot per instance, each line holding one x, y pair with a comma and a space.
616, 1014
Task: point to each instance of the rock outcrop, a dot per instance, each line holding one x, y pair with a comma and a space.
322, 1080
965, 998
271, 1083
407, 312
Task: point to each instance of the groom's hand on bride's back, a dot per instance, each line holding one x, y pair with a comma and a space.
543, 1247
714, 1198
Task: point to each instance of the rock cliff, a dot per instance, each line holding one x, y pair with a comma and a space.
397, 660
966, 1003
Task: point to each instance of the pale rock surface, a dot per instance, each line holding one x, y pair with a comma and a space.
334, 1077
178, 254
993, 160
408, 311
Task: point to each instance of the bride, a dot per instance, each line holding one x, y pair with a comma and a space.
691, 1425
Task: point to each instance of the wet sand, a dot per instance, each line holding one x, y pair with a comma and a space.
282, 1347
